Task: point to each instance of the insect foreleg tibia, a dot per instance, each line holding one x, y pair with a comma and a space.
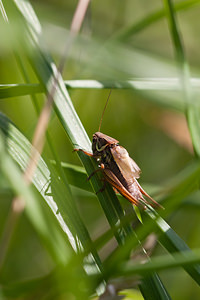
97, 170
85, 152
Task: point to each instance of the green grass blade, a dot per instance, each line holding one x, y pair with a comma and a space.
149, 291
150, 19
33, 209
191, 110
152, 88
184, 259
140, 86
173, 243
46, 181
13, 90
168, 238
149, 84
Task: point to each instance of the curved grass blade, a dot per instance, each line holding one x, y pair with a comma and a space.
56, 195
50, 234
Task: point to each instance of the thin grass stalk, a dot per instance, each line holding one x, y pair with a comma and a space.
191, 111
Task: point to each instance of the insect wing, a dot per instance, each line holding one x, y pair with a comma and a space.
130, 172
127, 166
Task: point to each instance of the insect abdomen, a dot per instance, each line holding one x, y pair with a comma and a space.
135, 191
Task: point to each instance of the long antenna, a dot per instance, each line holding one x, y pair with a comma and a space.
104, 110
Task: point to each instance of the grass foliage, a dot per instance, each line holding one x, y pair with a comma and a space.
61, 238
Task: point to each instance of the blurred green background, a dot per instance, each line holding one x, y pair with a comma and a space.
149, 124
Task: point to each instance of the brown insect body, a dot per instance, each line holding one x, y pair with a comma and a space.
119, 169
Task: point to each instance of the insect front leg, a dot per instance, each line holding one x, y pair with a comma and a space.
91, 155
97, 170
102, 167
85, 152
92, 174
102, 179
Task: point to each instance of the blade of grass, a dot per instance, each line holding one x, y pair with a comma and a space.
184, 259
149, 291
173, 243
168, 238
12, 90
128, 32
140, 86
192, 114
46, 181
128, 269
33, 209
149, 84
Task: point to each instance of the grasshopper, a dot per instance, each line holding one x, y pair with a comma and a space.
118, 168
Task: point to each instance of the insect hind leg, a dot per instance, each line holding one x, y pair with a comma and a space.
103, 187
92, 174
97, 170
